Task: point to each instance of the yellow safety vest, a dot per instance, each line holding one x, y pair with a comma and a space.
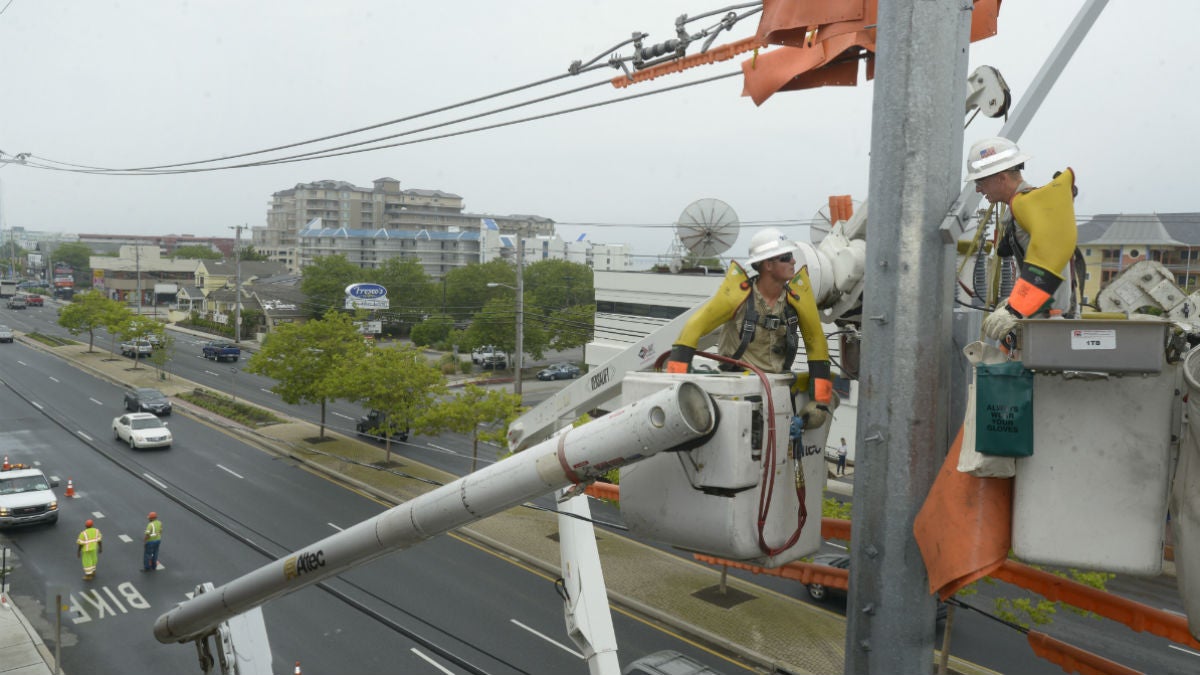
154, 530
89, 539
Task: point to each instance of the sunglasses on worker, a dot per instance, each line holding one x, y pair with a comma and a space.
785, 258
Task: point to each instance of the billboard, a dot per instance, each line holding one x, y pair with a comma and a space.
64, 275
366, 296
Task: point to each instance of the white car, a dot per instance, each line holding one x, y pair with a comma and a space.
6, 334
26, 497
142, 430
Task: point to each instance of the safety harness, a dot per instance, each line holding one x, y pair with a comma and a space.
752, 320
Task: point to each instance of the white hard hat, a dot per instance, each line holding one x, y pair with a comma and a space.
769, 243
990, 156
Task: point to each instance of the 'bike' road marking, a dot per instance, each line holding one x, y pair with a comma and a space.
154, 480
334, 527
85, 436
55, 379
439, 448
549, 639
345, 417
1185, 651
102, 607
94, 401
231, 471
431, 662
36, 405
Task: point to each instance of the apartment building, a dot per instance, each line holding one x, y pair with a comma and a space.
338, 205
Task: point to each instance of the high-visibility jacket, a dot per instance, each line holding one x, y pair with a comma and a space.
1044, 244
154, 530
89, 539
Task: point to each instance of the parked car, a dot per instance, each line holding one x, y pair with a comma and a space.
154, 340
219, 350
145, 399
17, 302
6, 334
667, 662
822, 593
559, 371
26, 497
480, 353
35, 301
136, 348
371, 424
142, 430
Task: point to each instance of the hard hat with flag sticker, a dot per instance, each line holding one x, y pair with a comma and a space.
990, 156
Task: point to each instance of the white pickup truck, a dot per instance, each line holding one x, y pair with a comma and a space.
26, 497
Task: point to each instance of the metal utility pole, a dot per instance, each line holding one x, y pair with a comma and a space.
519, 357
916, 152
237, 303
137, 256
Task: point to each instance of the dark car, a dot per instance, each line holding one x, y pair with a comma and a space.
821, 593
559, 371
371, 424
145, 399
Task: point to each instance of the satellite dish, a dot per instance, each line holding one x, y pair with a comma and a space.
707, 228
822, 222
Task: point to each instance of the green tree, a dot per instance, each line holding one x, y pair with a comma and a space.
571, 327
131, 326
196, 252
410, 290
247, 252
432, 330
400, 383
308, 360
482, 414
88, 311
551, 285
325, 282
496, 324
467, 287
78, 256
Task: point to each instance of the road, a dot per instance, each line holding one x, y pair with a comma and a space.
976, 637
227, 508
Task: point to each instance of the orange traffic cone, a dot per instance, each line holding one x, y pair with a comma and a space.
6, 466
297, 670
70, 489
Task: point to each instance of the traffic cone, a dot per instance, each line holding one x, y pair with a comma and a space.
6, 466
70, 489
297, 670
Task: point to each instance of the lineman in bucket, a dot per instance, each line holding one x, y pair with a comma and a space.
762, 320
1038, 231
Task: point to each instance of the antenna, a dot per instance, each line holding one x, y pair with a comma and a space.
706, 229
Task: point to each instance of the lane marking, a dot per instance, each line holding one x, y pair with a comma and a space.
549, 639
212, 373
345, 417
335, 527
22, 362
231, 471
154, 480
125, 538
439, 448
1185, 651
55, 379
94, 401
266, 390
97, 515
36, 405
85, 436
430, 661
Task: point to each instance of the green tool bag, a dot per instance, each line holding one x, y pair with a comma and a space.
1004, 409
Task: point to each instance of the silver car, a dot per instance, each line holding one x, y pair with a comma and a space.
142, 430
6, 334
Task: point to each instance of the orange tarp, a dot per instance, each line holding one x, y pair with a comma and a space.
823, 41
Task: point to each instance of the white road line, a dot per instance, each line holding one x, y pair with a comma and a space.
97, 514
22, 362
94, 401
431, 662
547, 638
36, 405
154, 480
231, 471
448, 451
54, 379
212, 373
266, 390
125, 538
843, 548
334, 527
85, 436
1185, 651
345, 417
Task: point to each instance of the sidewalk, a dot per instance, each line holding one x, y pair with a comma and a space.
757, 625
21, 649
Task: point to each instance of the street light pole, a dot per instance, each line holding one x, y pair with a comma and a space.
237, 303
519, 358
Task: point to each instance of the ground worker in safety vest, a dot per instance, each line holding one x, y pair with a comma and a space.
153, 538
88, 547
1037, 230
762, 320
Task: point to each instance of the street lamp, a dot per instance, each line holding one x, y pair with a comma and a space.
518, 358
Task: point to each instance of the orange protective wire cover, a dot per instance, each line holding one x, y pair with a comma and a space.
964, 528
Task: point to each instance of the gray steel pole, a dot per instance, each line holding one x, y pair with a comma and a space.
237, 302
916, 149
519, 357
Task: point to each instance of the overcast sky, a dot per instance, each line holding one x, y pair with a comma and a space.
149, 82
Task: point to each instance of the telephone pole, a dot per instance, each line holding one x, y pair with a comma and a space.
237, 303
